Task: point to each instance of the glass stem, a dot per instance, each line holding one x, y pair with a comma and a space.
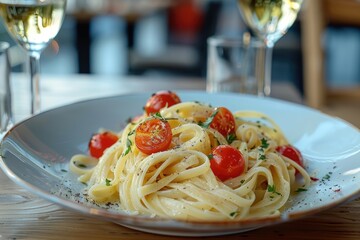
264, 64
35, 82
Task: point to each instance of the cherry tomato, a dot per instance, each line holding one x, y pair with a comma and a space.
226, 162
160, 100
153, 135
291, 152
101, 141
223, 122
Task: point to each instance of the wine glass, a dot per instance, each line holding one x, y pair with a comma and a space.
33, 24
269, 20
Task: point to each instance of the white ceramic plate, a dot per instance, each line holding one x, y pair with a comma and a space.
37, 151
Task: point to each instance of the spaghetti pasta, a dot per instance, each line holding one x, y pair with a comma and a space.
178, 183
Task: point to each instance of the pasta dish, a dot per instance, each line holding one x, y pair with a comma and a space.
192, 161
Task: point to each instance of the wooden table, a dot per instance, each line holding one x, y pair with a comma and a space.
26, 216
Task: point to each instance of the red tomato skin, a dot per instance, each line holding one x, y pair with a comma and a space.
224, 121
227, 162
153, 135
101, 141
291, 152
160, 100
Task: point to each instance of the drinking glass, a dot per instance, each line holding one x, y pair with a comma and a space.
231, 65
5, 92
269, 20
33, 24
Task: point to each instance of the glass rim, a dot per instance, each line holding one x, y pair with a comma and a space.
233, 41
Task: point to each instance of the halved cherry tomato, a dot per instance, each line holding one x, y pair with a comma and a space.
223, 122
226, 162
291, 152
101, 141
153, 135
160, 100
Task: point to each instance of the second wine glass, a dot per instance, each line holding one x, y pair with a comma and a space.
33, 24
269, 20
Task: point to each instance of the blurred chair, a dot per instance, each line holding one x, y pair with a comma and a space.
188, 30
317, 15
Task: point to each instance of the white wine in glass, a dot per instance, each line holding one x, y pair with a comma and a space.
269, 20
33, 24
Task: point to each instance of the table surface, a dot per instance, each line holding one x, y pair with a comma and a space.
26, 216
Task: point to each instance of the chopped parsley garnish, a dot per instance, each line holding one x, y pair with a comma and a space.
272, 189
301, 190
63, 170
128, 146
264, 143
326, 177
159, 116
234, 214
210, 156
131, 132
262, 157
230, 138
208, 121
107, 182
128, 143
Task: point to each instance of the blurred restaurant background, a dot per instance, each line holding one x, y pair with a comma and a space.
320, 54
